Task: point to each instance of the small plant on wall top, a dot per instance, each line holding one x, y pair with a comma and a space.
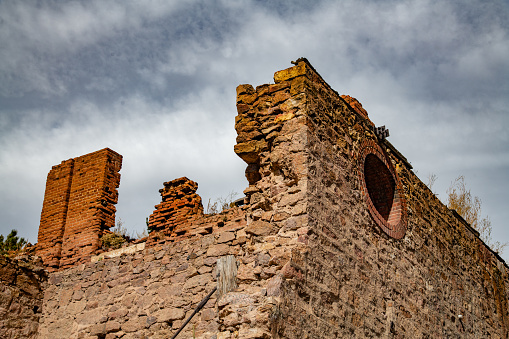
221, 204
117, 238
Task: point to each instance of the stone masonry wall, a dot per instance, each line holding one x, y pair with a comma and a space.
147, 294
338, 238
357, 278
272, 140
21, 292
150, 294
78, 206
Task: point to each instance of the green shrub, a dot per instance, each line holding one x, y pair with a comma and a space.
112, 240
117, 238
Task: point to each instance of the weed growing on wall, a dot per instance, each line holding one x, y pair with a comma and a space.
117, 238
221, 204
432, 178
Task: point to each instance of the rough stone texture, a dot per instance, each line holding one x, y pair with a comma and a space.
147, 294
354, 279
78, 208
21, 291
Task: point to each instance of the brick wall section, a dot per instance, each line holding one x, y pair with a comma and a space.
356, 106
179, 202
180, 215
78, 206
54, 213
380, 185
21, 297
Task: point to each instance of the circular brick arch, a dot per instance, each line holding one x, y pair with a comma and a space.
382, 190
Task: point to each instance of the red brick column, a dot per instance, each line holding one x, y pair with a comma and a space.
78, 206
54, 213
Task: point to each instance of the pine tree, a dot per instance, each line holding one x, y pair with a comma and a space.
12, 242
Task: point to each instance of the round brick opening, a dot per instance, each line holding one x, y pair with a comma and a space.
380, 185
381, 188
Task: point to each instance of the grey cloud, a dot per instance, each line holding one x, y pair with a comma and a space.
156, 82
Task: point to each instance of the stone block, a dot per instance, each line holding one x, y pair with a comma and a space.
290, 73
259, 228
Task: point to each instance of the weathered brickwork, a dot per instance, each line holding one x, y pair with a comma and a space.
54, 213
21, 297
78, 206
382, 189
179, 202
180, 214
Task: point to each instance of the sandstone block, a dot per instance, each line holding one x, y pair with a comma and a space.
218, 250
134, 324
112, 326
289, 272
208, 314
89, 317
246, 272
259, 227
169, 314
98, 329
245, 89
199, 280
253, 333
250, 151
232, 319
225, 237
235, 298
224, 335
290, 73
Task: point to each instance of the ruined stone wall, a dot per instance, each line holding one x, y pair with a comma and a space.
147, 294
150, 293
272, 140
366, 272
338, 238
21, 292
78, 206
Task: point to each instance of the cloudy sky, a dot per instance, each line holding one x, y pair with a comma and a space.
155, 81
